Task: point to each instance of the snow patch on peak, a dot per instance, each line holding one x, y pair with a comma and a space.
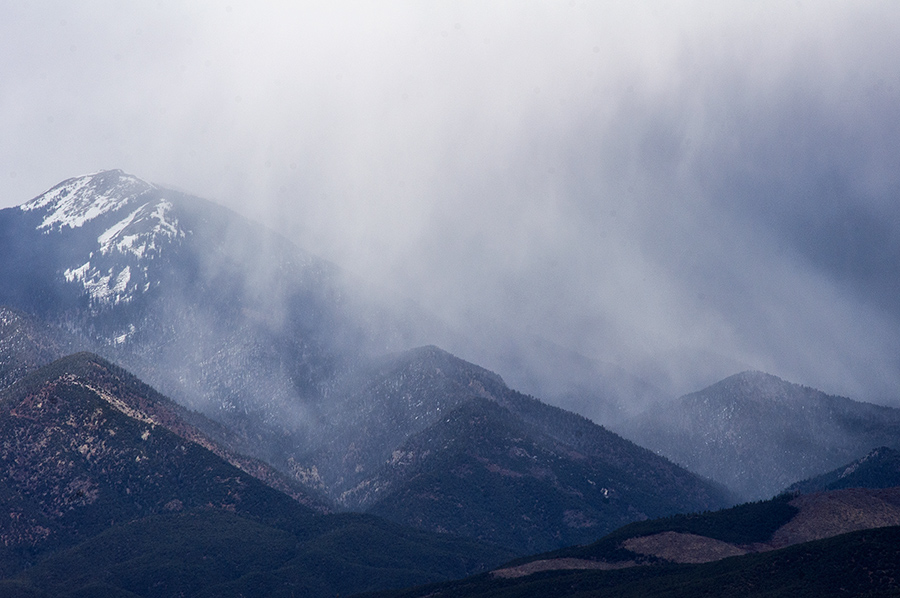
124, 336
139, 226
76, 201
107, 288
73, 274
112, 232
141, 231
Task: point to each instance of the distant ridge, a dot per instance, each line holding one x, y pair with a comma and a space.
879, 469
757, 434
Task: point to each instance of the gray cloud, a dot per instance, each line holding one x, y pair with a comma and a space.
684, 192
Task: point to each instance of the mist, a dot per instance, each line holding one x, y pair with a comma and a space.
684, 191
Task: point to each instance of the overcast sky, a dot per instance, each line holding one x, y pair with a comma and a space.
685, 189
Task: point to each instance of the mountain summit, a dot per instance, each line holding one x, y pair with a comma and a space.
215, 311
79, 200
133, 223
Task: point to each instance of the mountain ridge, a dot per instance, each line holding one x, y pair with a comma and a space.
480, 442
223, 255
880, 468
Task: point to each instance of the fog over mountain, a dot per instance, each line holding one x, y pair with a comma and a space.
682, 190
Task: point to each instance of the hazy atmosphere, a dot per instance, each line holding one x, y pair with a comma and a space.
686, 190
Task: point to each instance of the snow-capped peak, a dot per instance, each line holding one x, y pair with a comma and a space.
78, 200
132, 224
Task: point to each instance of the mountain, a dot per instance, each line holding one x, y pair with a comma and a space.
879, 469
757, 434
487, 473
233, 320
276, 347
272, 352
474, 427
429, 440
604, 393
105, 480
215, 311
826, 544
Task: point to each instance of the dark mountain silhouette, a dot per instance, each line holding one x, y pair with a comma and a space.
879, 469
757, 434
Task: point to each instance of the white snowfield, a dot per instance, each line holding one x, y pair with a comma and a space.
139, 232
76, 201
149, 226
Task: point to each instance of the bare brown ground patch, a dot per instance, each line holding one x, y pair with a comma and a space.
682, 548
827, 514
820, 515
558, 565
